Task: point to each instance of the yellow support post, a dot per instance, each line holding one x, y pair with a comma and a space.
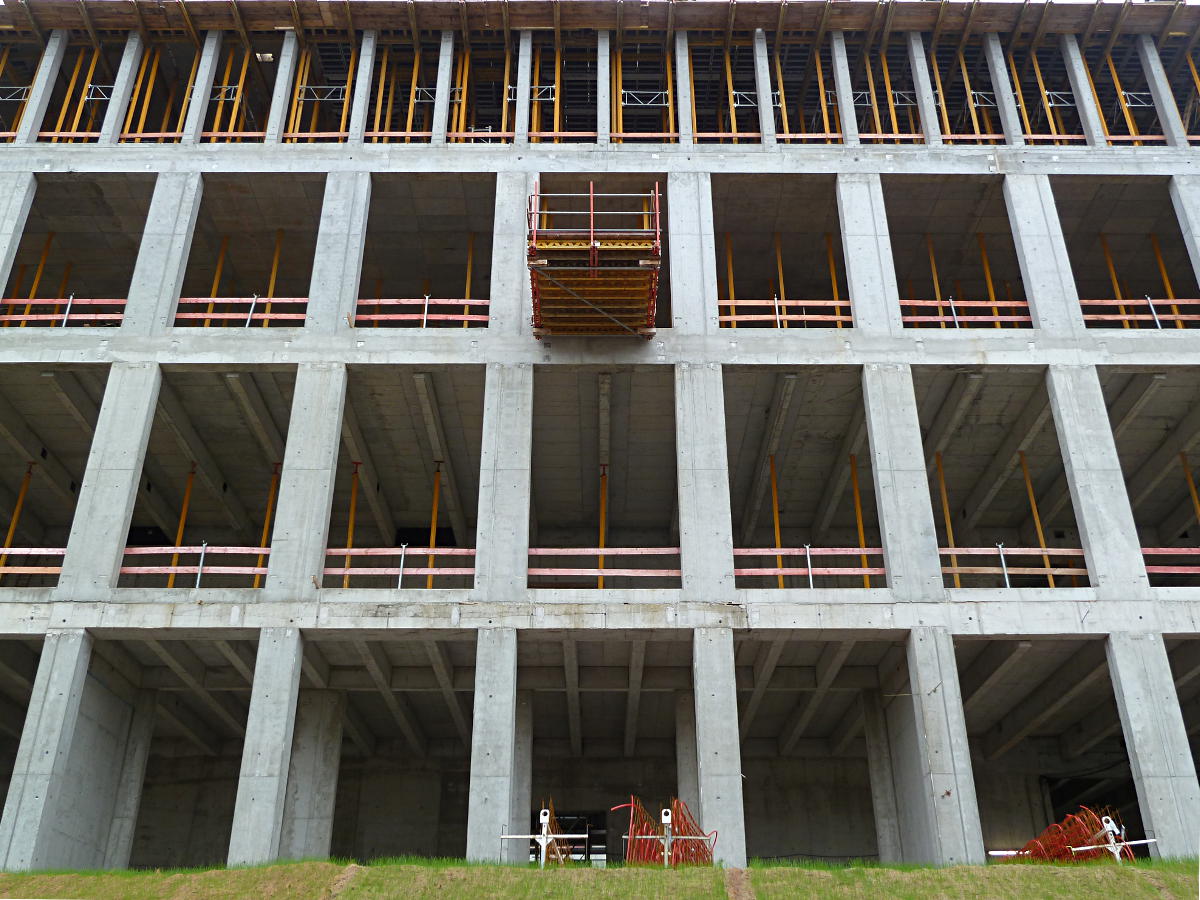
1187, 474
779, 276
266, 529
216, 282
138, 84
619, 95
470, 269
692, 82
62, 289
504, 101
219, 115
833, 277
937, 285
775, 518
729, 88
1118, 295
535, 105
557, 88
783, 113
183, 514
603, 522
351, 71
1016, 83
821, 93
433, 519
941, 94
16, 515
1037, 519
350, 521
149, 93
887, 87
383, 89
871, 93
1096, 98
987, 276
941, 475
187, 94
15, 293
858, 516
274, 275
70, 92
962, 65
87, 83
412, 98
671, 96
731, 299
1041, 83
1166, 279
37, 276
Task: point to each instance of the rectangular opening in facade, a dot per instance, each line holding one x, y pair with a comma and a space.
79, 98
724, 96
406, 487
481, 108
962, 84
77, 253
643, 90
240, 100
252, 252
883, 90
1000, 496
1127, 111
776, 269
801, 481
604, 484
18, 66
18, 669
209, 482
1044, 735
1127, 253
806, 108
162, 89
323, 89
403, 85
1045, 99
428, 253
952, 248
562, 98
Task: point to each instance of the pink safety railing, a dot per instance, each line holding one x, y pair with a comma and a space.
951, 313
1056, 565
1142, 312
68, 312
606, 563
1167, 561
241, 312
389, 565
804, 565
191, 565
785, 314
421, 312
19, 561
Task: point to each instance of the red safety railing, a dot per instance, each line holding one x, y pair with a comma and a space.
782, 314
388, 566
951, 313
387, 137
603, 568
895, 137
1055, 138
569, 136
1032, 566
1168, 561
971, 138
1141, 312
481, 137
828, 137
813, 563
20, 561
749, 137
158, 137
189, 566
69, 312
232, 136
241, 312
421, 312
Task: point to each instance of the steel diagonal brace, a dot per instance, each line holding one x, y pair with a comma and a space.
585, 301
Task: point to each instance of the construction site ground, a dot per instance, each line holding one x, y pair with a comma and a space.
417, 879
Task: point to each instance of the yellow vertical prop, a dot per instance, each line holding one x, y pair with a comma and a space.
62, 291
937, 285
216, 282
1041, 84
1187, 473
504, 88
37, 275
692, 82
729, 88
351, 71
603, 522
1166, 280
16, 515
87, 83
66, 103
274, 274
15, 293
138, 84
775, 519
219, 115
669, 63
380, 91
412, 98
1096, 99
433, 519
731, 299
470, 269
183, 514
887, 86
557, 89
821, 93
187, 93
783, 114
353, 513
1037, 519
833, 277
1016, 83
874, 100
941, 475
1118, 295
266, 529
858, 516
779, 275
535, 106
962, 65
987, 276
149, 94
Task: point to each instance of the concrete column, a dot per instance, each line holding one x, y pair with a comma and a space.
883, 785
901, 483
1160, 89
42, 87
511, 305
1042, 254
1111, 546
267, 749
502, 532
96, 543
683, 89
687, 774
493, 743
842, 84
361, 101
702, 463
16, 197
131, 781
312, 775
122, 90
693, 253
1081, 88
762, 87
1185, 197
522, 784
1160, 757
718, 747
281, 93
923, 87
603, 88
206, 73
931, 762
1006, 101
337, 259
524, 86
441, 97
306, 485
867, 251
163, 253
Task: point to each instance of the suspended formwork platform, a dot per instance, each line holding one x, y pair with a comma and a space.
594, 262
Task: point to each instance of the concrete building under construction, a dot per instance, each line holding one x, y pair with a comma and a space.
416, 411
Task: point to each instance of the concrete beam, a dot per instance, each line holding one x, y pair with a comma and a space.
245, 392
989, 670
122, 89
692, 256
777, 416
683, 90
1028, 425
963, 391
312, 776
867, 250
1090, 117
443, 670
918, 64
175, 711
845, 93
832, 658
493, 744
1097, 726
189, 668
763, 92
281, 93
603, 88
633, 698
1006, 101
838, 478
333, 288
130, 782
28, 447
764, 668
16, 198
361, 101
40, 91
378, 667
718, 752
435, 433
883, 787
687, 775
571, 682
524, 86
1164, 459
1160, 89
369, 474
441, 97
197, 102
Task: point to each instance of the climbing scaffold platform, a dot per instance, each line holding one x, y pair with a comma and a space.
594, 262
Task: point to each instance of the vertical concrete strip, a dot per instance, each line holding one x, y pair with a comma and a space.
42, 87
844, 87
603, 88
281, 93
511, 300
1185, 197
96, 544
132, 779
718, 748
762, 88
1002, 89
122, 90
520, 820
441, 97
883, 786
361, 99
206, 73
1160, 757
687, 775
337, 260
683, 90
16, 197
493, 744
267, 749
1160, 89
867, 251
313, 775
524, 86
918, 63
693, 253
1090, 117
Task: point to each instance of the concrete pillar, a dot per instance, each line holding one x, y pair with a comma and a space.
718, 747
267, 749
1160, 757
762, 87
206, 73
493, 743
502, 532
42, 87
1160, 90
441, 97
683, 89
702, 463
301, 527
931, 762
122, 90
842, 84
131, 781
687, 774
312, 775
1081, 88
1042, 254
99, 529
16, 197
511, 304
337, 259
603, 88
361, 101
281, 93
522, 784
883, 785
923, 88
693, 253
906, 527
163, 253
1111, 546
867, 251
1185, 197
1006, 101
524, 86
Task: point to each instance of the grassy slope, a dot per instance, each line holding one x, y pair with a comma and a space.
450, 879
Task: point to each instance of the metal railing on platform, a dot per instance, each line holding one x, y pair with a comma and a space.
1015, 567
603, 569
241, 312
386, 567
815, 566
1142, 312
951, 313
785, 314
421, 312
19, 561
189, 566
67, 312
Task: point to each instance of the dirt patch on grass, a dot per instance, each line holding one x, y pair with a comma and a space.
737, 885
343, 880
